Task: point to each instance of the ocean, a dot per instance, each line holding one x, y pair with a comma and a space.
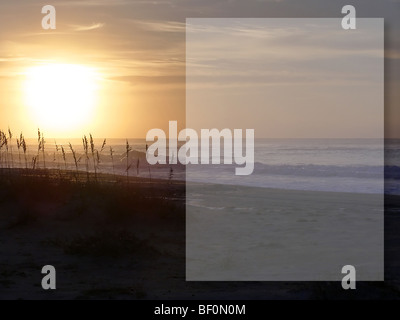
345, 165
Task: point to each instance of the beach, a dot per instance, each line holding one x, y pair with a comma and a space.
264, 234
127, 241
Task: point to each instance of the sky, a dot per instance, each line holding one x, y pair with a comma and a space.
286, 78
138, 51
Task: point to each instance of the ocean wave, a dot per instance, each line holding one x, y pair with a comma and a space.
312, 170
392, 172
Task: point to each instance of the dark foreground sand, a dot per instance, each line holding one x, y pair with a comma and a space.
114, 240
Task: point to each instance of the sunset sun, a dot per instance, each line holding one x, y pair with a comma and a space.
61, 95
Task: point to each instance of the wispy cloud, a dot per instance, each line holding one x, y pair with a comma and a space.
114, 3
93, 26
392, 54
160, 26
90, 3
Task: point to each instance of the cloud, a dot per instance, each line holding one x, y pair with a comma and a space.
161, 26
152, 80
392, 54
90, 3
93, 26
114, 3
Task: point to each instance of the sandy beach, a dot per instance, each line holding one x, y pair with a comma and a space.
264, 234
127, 241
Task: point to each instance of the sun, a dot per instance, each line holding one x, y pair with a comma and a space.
61, 96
